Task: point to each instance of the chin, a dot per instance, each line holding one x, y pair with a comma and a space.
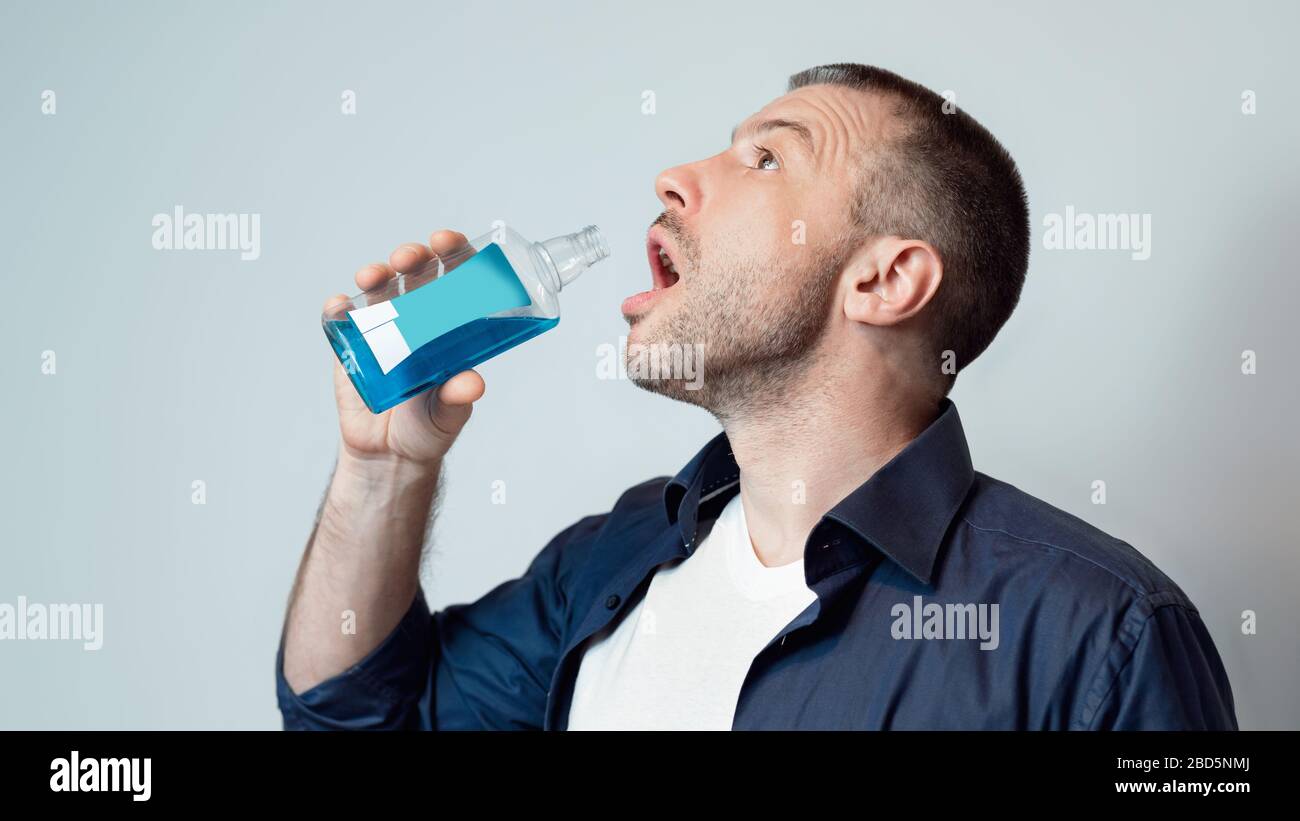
640, 331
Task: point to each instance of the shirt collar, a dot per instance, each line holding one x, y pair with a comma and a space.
903, 510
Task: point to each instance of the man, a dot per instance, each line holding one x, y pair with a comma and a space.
831, 560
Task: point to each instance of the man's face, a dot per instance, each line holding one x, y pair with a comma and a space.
754, 236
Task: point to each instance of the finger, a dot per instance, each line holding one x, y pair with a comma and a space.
446, 420
409, 256
451, 247
465, 388
445, 241
374, 275
333, 302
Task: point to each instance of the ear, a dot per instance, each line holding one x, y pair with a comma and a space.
891, 280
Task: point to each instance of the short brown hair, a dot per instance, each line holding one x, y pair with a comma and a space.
948, 181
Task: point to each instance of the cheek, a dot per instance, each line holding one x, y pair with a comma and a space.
757, 218
755, 246
776, 275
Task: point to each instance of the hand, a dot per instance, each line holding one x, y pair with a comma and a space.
423, 428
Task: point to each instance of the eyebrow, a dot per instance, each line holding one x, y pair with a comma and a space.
765, 126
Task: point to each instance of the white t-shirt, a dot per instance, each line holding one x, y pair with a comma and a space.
677, 659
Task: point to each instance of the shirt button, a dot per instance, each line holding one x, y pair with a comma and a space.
612, 602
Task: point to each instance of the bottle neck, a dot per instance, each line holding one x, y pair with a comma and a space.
571, 254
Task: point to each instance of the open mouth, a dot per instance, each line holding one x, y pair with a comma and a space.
664, 274
663, 269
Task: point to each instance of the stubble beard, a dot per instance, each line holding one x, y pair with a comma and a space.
755, 351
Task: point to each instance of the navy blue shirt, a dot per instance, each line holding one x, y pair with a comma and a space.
907, 570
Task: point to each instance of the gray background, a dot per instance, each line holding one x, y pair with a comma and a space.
183, 365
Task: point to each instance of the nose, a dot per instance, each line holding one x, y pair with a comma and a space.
678, 188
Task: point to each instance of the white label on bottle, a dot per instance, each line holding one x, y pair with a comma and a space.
372, 316
388, 345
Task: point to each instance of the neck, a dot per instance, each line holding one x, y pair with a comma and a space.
811, 447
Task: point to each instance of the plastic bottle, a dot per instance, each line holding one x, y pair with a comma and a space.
421, 328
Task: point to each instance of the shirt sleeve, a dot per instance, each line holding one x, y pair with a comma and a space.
1162, 673
480, 665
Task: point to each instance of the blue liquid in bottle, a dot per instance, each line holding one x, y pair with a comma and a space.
433, 363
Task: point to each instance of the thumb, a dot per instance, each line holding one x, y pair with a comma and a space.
450, 406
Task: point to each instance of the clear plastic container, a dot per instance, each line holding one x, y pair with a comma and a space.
421, 328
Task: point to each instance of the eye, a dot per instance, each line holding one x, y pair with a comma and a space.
767, 161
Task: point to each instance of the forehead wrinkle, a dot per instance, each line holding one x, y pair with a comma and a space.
840, 121
801, 130
860, 121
